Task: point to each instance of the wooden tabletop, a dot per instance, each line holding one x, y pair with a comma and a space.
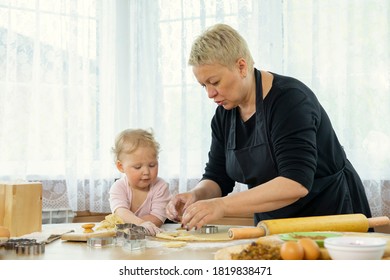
154, 249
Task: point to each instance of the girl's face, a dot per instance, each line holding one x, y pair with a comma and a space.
140, 167
225, 86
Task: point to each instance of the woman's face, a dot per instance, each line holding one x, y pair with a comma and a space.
225, 86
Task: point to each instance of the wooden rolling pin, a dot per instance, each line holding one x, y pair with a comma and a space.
342, 222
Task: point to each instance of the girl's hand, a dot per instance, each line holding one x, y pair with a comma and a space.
150, 228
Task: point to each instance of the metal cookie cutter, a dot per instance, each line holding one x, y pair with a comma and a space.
25, 246
208, 229
28, 248
11, 244
130, 236
100, 242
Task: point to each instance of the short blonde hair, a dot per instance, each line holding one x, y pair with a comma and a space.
130, 140
221, 44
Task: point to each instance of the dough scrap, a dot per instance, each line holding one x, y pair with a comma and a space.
109, 222
175, 244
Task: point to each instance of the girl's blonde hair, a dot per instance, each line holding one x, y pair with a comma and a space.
220, 44
130, 140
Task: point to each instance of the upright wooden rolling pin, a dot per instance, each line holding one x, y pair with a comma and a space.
342, 222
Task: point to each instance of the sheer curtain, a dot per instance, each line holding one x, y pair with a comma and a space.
56, 99
338, 48
75, 73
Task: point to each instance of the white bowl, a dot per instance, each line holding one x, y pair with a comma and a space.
355, 248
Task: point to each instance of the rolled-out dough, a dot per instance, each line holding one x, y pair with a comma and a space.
194, 235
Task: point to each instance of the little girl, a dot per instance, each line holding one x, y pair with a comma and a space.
140, 196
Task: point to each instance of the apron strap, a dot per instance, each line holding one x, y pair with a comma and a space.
260, 113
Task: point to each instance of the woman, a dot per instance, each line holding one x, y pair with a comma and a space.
269, 132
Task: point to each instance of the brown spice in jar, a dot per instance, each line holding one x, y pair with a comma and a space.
258, 251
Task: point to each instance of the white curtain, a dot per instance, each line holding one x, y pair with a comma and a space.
75, 73
57, 91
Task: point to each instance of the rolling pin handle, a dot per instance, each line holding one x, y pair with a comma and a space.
246, 233
378, 221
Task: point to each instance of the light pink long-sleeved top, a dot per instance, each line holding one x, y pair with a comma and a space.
154, 204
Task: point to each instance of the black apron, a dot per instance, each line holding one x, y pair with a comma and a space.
255, 163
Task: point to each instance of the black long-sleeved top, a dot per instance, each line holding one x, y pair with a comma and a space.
303, 146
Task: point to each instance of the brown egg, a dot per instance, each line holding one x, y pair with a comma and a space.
4, 232
310, 248
291, 250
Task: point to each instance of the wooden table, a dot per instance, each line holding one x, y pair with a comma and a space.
76, 260
155, 249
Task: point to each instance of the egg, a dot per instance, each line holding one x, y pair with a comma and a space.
291, 250
310, 248
4, 232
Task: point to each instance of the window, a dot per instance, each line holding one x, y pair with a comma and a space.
75, 73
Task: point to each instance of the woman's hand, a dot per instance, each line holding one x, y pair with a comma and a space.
203, 194
178, 205
202, 212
